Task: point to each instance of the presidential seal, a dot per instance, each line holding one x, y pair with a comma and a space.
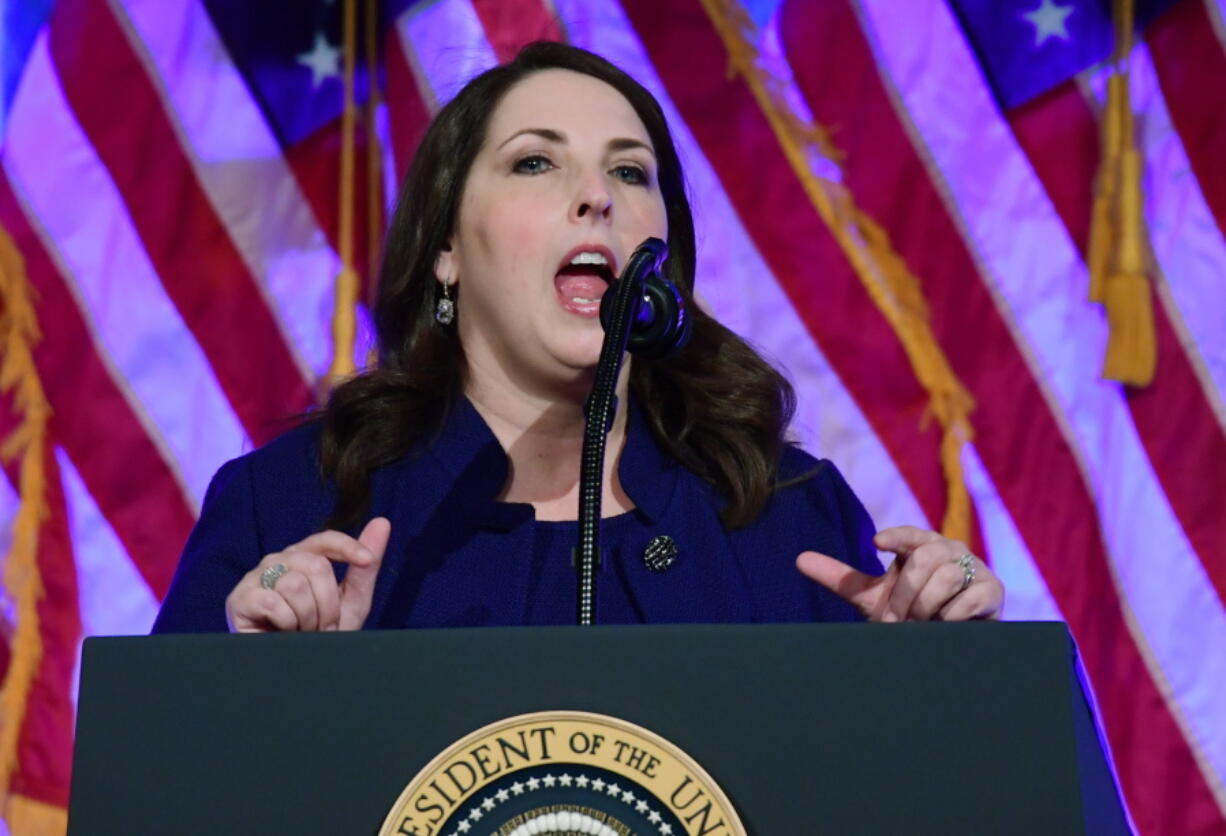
562, 773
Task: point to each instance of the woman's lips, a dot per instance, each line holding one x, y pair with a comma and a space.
579, 293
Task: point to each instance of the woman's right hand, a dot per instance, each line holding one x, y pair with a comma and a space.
306, 596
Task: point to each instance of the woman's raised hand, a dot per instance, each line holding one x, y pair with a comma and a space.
928, 580
296, 589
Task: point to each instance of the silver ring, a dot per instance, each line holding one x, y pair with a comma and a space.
967, 564
270, 576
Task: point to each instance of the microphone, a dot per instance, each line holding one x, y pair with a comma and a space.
641, 312
659, 324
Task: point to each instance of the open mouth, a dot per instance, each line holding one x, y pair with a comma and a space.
582, 280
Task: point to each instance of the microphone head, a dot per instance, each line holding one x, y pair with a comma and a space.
660, 325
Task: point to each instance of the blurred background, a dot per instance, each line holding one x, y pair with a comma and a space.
984, 238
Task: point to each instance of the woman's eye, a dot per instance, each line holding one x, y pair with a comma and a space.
534, 164
632, 174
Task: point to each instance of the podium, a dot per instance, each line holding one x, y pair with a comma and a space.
808, 729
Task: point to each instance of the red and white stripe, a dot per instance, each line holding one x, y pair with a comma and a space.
139, 331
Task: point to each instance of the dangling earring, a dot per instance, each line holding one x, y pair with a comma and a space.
444, 311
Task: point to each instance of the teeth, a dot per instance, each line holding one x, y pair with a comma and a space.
590, 258
580, 300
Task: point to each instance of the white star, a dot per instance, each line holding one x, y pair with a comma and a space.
533, 784
475, 814
488, 804
323, 60
549, 780
517, 788
614, 789
598, 785
465, 827
627, 796
502, 794
666, 828
582, 781
1049, 22
565, 780
653, 817
641, 806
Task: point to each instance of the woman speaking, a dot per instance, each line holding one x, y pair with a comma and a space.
441, 488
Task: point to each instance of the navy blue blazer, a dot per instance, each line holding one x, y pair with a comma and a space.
458, 557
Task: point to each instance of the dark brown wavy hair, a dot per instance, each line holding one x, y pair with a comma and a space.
716, 406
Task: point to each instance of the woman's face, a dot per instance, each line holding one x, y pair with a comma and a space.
557, 199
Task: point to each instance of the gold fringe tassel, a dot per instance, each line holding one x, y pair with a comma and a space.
1118, 255
27, 442
344, 315
27, 817
892, 286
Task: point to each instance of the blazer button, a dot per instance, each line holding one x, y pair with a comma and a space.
661, 552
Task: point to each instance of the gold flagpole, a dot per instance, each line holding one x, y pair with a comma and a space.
344, 324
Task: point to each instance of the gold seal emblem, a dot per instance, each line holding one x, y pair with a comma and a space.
562, 773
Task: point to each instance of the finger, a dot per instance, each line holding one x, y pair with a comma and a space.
964, 607
322, 579
864, 591
917, 570
295, 588
336, 545
944, 583
375, 535
904, 539
258, 611
358, 588
982, 599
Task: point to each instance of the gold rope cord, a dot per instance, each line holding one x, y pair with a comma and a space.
1118, 254
19, 332
344, 323
892, 286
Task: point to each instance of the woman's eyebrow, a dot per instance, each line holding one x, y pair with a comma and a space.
625, 144
544, 133
550, 135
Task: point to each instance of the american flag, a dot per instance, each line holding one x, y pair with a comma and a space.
169, 186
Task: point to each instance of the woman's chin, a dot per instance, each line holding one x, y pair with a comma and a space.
580, 365
580, 352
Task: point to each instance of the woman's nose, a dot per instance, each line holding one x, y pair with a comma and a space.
593, 200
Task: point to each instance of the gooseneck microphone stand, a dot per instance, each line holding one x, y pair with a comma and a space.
621, 313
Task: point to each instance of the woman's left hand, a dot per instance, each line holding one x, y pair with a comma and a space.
925, 582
